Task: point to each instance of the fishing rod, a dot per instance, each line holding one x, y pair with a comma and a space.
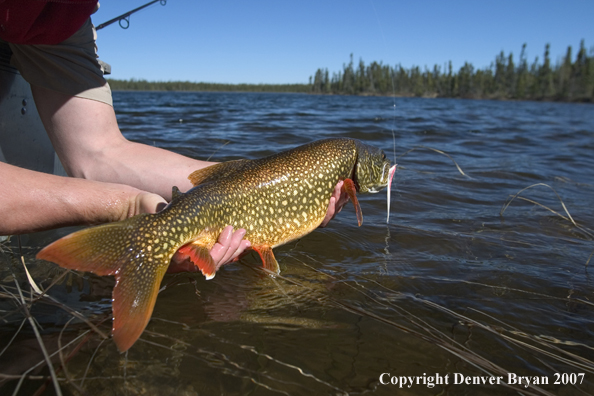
126, 16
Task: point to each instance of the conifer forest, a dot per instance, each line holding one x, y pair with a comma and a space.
569, 79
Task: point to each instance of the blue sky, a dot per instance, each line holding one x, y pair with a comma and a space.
283, 41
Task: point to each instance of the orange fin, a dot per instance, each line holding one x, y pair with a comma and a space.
200, 256
113, 249
268, 260
134, 298
181, 263
216, 171
349, 188
101, 250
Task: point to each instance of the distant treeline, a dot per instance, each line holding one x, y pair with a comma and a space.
571, 79
144, 85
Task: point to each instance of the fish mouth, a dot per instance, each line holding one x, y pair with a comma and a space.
384, 180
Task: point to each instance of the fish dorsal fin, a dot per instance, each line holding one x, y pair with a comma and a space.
175, 192
216, 171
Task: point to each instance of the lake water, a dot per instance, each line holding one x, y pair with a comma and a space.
449, 287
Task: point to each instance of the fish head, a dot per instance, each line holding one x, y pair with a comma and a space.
372, 170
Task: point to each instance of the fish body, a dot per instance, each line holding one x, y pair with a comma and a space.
276, 199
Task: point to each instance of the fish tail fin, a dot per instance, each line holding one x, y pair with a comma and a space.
101, 250
133, 303
122, 250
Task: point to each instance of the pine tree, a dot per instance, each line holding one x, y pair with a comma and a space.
545, 76
564, 77
510, 77
522, 76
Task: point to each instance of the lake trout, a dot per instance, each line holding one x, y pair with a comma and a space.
276, 199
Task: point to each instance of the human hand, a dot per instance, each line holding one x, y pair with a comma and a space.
229, 246
149, 203
337, 202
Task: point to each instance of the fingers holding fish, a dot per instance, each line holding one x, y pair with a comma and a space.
337, 202
148, 203
229, 246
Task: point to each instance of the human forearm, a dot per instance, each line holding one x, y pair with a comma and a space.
90, 145
145, 167
33, 201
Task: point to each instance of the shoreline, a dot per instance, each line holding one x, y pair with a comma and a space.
425, 96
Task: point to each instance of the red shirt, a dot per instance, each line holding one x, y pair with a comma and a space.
42, 22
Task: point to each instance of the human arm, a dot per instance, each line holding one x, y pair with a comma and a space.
88, 141
33, 201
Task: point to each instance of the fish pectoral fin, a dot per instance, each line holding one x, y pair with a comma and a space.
268, 260
134, 298
349, 188
217, 171
200, 256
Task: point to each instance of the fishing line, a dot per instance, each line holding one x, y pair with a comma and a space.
217, 150
392, 81
393, 168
